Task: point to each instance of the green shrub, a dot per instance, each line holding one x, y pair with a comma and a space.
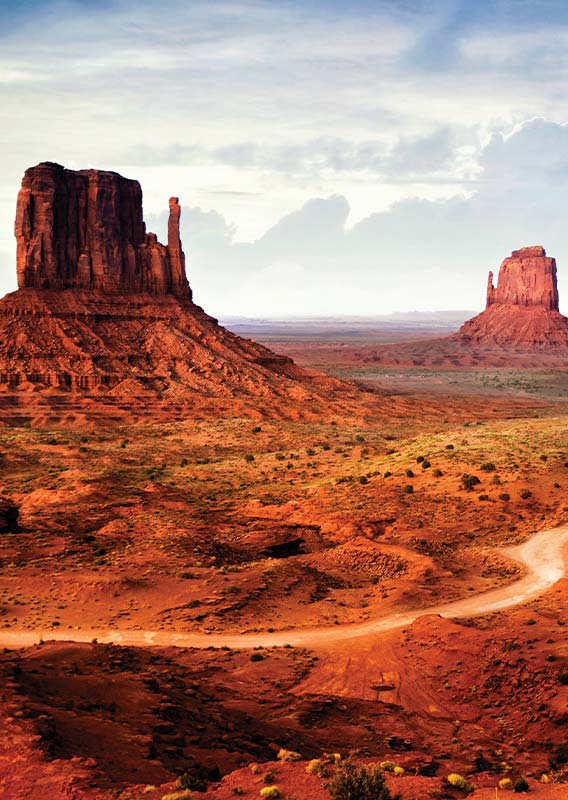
316, 767
358, 783
426, 464
363, 480
437, 473
526, 493
288, 755
469, 481
488, 466
521, 785
270, 792
419, 459
504, 496
408, 489
459, 782
249, 457
256, 657
409, 473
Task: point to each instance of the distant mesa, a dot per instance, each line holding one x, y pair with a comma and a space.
522, 310
104, 321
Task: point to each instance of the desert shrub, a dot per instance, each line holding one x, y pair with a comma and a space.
363, 480
521, 785
359, 438
504, 496
270, 792
426, 464
484, 497
358, 783
288, 755
398, 772
198, 778
387, 766
469, 481
526, 493
505, 783
387, 474
419, 459
409, 473
456, 780
256, 657
256, 429
269, 776
449, 447
437, 473
316, 767
184, 794
408, 489
249, 458
487, 466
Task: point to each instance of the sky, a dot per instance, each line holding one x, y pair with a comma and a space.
331, 158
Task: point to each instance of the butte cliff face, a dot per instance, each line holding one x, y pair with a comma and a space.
104, 321
522, 310
85, 230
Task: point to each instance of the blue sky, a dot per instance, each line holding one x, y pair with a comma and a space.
352, 157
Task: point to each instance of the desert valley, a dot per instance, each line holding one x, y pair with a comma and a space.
231, 569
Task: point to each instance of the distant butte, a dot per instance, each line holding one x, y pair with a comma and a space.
104, 322
522, 310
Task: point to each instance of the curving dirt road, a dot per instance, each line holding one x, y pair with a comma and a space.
543, 555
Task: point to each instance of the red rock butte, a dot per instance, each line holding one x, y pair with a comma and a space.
104, 320
522, 310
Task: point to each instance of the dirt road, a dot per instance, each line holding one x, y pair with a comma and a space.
543, 555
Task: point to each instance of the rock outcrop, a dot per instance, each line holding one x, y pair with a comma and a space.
85, 230
522, 310
104, 321
526, 278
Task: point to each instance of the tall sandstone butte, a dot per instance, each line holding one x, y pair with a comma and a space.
522, 310
85, 230
104, 320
